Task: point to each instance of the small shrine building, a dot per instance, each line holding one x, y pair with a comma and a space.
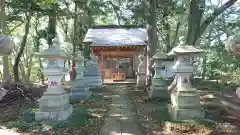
117, 49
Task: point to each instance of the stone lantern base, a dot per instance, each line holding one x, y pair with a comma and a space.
185, 105
80, 90
141, 78
93, 80
158, 89
54, 107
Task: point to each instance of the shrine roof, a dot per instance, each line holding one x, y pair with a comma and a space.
116, 36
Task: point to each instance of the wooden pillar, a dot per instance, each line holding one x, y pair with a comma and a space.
102, 65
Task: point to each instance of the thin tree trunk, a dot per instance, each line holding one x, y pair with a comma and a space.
152, 35
22, 47
52, 22
176, 35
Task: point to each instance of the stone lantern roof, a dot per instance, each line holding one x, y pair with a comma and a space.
94, 58
53, 51
183, 49
79, 57
159, 55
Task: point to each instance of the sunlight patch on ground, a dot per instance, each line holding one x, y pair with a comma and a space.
5, 131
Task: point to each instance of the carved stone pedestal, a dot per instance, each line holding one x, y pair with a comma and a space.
80, 89
54, 107
185, 101
158, 88
54, 104
185, 105
92, 75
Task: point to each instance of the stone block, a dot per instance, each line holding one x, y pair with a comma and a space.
80, 93
186, 99
158, 89
58, 115
93, 81
48, 102
158, 92
185, 114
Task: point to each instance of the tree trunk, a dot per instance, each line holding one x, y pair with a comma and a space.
22, 46
152, 35
204, 67
52, 23
29, 67
166, 28
175, 36
195, 27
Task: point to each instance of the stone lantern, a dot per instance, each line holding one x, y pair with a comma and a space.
54, 104
92, 74
6, 45
233, 47
185, 101
6, 48
80, 89
158, 88
141, 74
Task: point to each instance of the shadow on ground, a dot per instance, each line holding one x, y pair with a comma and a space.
154, 119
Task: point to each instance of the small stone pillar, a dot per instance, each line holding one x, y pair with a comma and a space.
233, 46
158, 88
6, 48
54, 104
141, 74
185, 101
80, 89
92, 74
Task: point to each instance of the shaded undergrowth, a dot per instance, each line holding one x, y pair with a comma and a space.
27, 121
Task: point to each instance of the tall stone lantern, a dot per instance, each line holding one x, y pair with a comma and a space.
80, 89
185, 101
54, 104
233, 47
92, 74
141, 74
158, 88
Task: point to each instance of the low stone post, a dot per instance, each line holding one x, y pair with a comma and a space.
92, 74
80, 89
6, 48
158, 88
141, 74
233, 47
185, 101
54, 104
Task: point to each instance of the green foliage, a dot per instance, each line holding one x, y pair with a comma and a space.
95, 98
23, 125
28, 116
78, 118
27, 122
75, 101
163, 116
235, 76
